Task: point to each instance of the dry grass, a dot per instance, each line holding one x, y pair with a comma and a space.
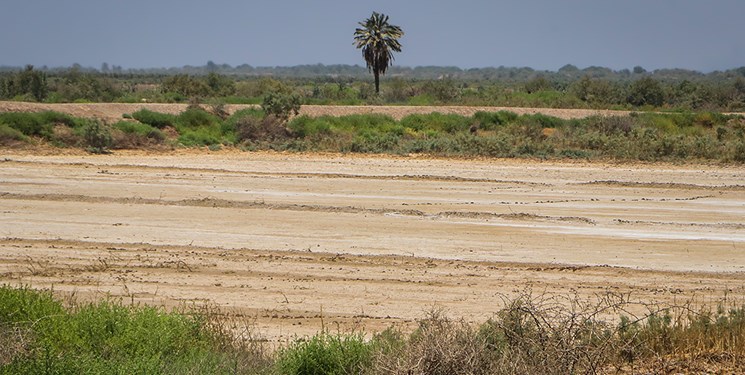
544, 334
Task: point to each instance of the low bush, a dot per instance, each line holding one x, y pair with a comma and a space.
228, 126
281, 105
541, 334
29, 124
129, 134
138, 128
437, 122
194, 118
9, 136
154, 119
490, 120
200, 137
269, 128
108, 337
326, 354
97, 137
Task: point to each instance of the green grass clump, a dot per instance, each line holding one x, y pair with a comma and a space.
143, 130
194, 118
104, 338
10, 135
229, 125
344, 127
437, 122
490, 120
38, 124
326, 354
154, 119
197, 127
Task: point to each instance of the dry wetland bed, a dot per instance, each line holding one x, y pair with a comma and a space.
296, 243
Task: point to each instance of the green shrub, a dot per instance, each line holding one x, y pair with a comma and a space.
305, 126
51, 117
154, 119
97, 137
229, 125
39, 124
439, 122
326, 354
26, 306
267, 129
144, 130
200, 137
540, 120
107, 337
30, 124
9, 135
131, 135
646, 91
281, 105
739, 152
195, 118
490, 120
421, 100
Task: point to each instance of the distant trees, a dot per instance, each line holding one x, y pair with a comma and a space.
646, 91
596, 91
569, 87
28, 82
378, 40
77, 85
199, 87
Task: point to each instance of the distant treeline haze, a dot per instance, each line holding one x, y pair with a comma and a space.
569, 87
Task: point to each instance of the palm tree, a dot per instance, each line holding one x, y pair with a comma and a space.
378, 40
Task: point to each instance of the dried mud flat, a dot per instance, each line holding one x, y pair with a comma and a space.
298, 242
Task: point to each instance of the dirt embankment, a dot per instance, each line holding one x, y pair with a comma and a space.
299, 242
114, 111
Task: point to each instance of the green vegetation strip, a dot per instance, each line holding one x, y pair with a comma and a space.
704, 136
531, 334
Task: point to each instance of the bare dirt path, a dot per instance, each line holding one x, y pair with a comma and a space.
114, 111
299, 242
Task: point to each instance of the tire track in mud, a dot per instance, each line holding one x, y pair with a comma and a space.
231, 204
662, 185
278, 289
734, 226
172, 169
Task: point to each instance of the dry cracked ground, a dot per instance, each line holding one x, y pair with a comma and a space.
296, 243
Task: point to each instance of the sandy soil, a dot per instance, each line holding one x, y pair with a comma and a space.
113, 112
300, 242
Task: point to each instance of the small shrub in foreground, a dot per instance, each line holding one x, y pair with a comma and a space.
108, 337
97, 137
326, 354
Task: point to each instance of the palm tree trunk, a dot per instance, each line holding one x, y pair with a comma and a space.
377, 81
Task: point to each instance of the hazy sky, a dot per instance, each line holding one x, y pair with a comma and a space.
703, 35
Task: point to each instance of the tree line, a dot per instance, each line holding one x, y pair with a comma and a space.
569, 87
